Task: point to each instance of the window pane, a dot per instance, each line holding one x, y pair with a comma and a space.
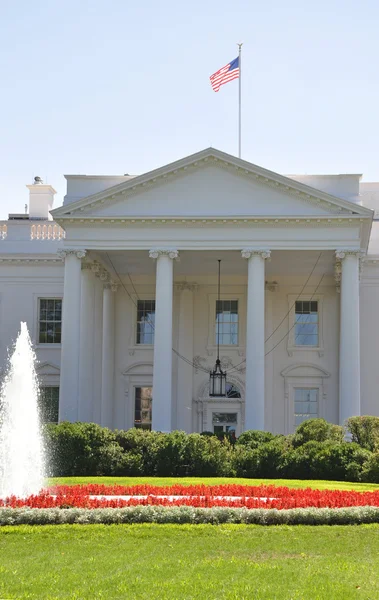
306, 323
145, 321
143, 407
50, 321
226, 322
305, 404
49, 404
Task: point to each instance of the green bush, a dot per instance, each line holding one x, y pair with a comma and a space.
253, 438
245, 462
370, 469
270, 457
302, 462
317, 430
342, 462
82, 449
315, 451
364, 431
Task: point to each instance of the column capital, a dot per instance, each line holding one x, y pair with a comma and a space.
249, 252
111, 285
341, 254
78, 252
86, 266
172, 253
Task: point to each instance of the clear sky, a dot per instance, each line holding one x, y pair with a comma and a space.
118, 86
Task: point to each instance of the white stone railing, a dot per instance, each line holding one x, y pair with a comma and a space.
30, 231
47, 232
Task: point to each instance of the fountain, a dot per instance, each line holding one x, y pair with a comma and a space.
21, 449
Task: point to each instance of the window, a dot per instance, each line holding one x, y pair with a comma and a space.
306, 323
143, 406
224, 422
50, 321
232, 391
306, 404
49, 404
226, 325
145, 321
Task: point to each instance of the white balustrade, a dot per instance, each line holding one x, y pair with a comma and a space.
47, 232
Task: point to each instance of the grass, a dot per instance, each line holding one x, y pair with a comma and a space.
80, 562
189, 562
296, 483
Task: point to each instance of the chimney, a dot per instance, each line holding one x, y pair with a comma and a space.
41, 199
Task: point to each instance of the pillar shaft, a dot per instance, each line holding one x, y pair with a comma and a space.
108, 354
70, 356
349, 371
185, 348
255, 339
162, 373
86, 371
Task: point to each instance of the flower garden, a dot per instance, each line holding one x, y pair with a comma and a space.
226, 503
198, 496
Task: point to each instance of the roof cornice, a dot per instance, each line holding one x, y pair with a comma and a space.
204, 158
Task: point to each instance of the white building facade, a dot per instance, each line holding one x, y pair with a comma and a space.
119, 289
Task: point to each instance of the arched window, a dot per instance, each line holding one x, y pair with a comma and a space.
232, 391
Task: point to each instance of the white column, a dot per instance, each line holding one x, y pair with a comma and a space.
255, 339
107, 384
270, 289
70, 355
349, 383
98, 344
86, 367
185, 348
162, 372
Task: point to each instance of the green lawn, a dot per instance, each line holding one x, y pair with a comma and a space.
184, 562
297, 483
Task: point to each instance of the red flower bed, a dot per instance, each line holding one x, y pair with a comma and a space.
237, 496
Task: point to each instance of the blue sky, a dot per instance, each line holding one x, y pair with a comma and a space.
113, 87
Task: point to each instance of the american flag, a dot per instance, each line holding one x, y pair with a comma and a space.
228, 73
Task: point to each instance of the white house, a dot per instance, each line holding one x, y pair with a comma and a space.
119, 289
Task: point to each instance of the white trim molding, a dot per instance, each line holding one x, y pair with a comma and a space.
170, 252
291, 346
140, 374
211, 340
304, 376
78, 252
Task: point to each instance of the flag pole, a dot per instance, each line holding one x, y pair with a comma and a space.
239, 99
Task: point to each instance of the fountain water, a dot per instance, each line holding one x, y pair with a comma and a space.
21, 449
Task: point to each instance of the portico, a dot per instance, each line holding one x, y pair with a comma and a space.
140, 267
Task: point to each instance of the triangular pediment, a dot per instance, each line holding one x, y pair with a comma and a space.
47, 368
207, 184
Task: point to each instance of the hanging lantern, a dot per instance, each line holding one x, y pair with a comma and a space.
217, 383
217, 377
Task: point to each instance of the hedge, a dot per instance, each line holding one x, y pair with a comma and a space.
317, 450
186, 514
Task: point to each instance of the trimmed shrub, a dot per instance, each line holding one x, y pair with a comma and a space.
364, 431
302, 462
355, 515
82, 449
245, 462
254, 438
342, 462
315, 451
370, 469
317, 430
270, 457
